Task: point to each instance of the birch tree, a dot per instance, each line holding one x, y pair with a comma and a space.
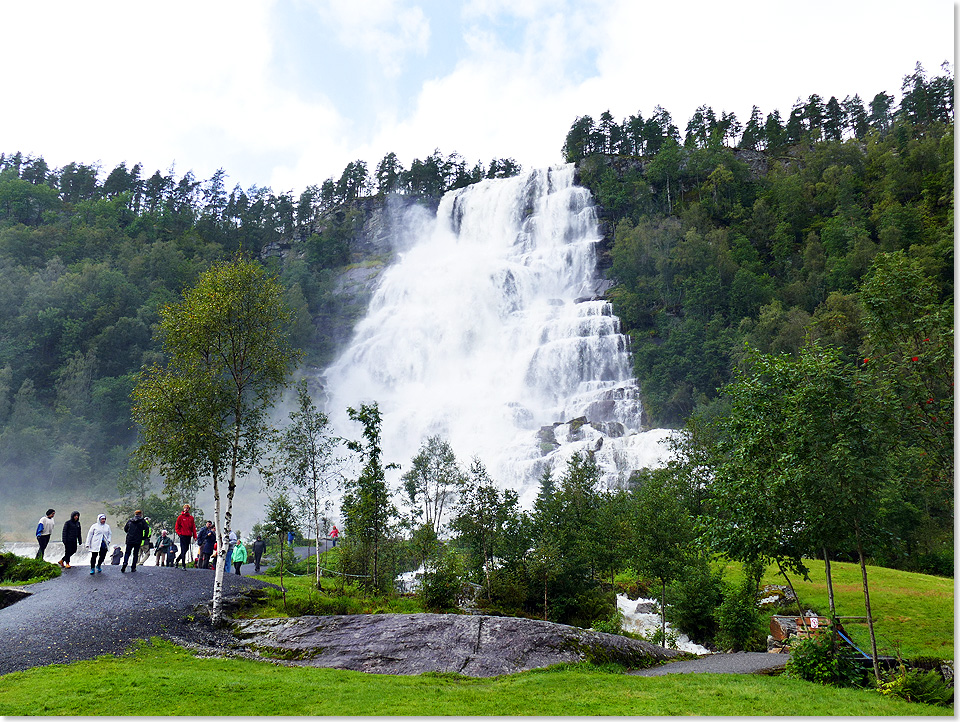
306, 462
203, 415
432, 483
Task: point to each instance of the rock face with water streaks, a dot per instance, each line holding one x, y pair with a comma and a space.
477, 646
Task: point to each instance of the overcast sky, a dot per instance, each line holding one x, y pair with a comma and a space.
284, 94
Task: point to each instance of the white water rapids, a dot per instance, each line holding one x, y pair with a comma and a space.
486, 331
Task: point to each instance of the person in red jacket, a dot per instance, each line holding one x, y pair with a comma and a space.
186, 529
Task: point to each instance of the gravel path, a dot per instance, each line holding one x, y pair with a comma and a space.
80, 616
734, 663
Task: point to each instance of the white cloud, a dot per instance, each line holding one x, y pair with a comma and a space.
196, 83
388, 30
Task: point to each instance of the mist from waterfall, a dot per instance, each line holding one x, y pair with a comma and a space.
486, 331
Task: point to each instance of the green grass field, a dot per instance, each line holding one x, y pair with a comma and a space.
913, 613
161, 679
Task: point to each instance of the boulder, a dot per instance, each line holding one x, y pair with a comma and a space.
11, 595
477, 646
773, 596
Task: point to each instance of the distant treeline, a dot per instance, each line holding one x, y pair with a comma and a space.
925, 101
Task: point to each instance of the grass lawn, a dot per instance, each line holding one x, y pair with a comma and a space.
160, 679
913, 613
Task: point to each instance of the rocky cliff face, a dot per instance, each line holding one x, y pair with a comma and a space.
476, 646
384, 230
383, 233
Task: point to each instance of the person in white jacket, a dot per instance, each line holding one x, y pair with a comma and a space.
98, 542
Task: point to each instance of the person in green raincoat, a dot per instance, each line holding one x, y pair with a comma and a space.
239, 555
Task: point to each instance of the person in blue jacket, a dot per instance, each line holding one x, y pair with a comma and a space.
44, 530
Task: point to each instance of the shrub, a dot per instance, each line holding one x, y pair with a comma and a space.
656, 637
440, 584
630, 584
508, 592
694, 602
324, 605
917, 685
819, 659
611, 625
288, 560
938, 562
14, 568
739, 622
590, 605
7, 561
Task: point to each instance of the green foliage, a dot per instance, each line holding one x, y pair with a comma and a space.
820, 659
432, 483
488, 526
285, 561
611, 625
663, 533
304, 462
14, 568
442, 580
663, 637
280, 519
694, 601
917, 685
709, 238
204, 413
740, 624
568, 547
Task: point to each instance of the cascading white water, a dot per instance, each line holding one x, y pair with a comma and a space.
486, 332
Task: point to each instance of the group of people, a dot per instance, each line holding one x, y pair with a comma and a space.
137, 529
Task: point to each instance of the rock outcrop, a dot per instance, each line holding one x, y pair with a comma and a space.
476, 646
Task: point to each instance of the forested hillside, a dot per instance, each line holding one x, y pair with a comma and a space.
788, 288
89, 256
763, 233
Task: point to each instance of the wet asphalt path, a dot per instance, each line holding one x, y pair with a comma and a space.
80, 616
733, 663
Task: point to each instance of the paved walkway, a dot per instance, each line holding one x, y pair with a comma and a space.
734, 663
79, 615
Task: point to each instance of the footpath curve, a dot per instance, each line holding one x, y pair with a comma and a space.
79, 615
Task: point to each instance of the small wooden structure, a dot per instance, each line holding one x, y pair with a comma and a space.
782, 627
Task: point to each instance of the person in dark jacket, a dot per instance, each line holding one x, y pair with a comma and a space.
259, 547
206, 539
137, 530
163, 548
72, 537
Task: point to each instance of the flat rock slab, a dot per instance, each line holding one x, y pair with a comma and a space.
733, 663
476, 646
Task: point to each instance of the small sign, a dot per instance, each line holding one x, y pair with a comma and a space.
814, 622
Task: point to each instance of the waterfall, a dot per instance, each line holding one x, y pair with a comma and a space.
487, 331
